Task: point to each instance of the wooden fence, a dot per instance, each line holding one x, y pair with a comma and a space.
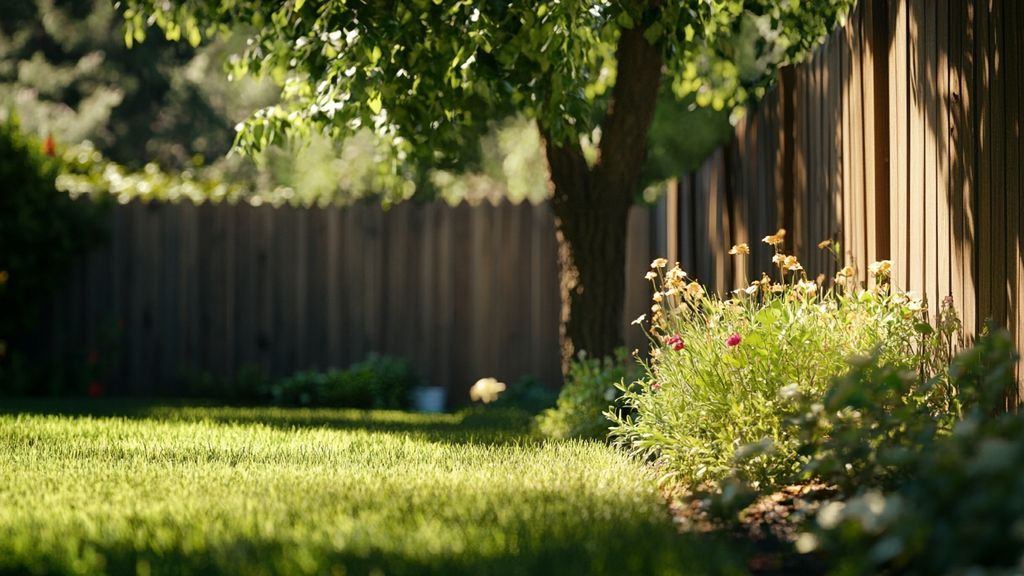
182, 290
900, 138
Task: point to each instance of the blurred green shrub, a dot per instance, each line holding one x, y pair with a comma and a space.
528, 394
41, 232
249, 384
379, 382
591, 387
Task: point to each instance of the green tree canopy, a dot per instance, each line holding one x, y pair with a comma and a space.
430, 74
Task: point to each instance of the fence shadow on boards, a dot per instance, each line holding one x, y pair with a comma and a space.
463, 292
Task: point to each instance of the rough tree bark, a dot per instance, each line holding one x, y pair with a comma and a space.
591, 204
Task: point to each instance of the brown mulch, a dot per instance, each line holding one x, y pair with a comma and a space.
768, 527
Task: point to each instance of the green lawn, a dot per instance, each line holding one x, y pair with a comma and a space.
123, 488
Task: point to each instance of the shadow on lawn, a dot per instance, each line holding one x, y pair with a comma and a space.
471, 426
633, 547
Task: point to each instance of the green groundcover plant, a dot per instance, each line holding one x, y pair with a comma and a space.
590, 386
918, 492
723, 370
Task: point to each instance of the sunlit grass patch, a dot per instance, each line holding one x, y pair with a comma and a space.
243, 490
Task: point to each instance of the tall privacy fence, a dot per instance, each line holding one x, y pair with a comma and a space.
900, 138
181, 291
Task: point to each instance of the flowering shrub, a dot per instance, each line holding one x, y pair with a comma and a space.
590, 387
723, 370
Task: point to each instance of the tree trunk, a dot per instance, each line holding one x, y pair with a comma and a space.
591, 204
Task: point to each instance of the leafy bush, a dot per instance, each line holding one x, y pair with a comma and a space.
249, 384
527, 394
41, 232
875, 418
723, 370
956, 505
591, 386
380, 382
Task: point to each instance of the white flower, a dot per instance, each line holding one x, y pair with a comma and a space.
486, 390
639, 320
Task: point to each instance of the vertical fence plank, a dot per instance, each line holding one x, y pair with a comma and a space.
917, 201
995, 150
984, 198
929, 86
942, 141
1010, 58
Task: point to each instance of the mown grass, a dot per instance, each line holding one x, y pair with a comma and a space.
128, 488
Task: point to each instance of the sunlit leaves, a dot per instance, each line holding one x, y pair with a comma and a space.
434, 72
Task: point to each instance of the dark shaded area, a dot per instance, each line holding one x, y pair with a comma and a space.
628, 547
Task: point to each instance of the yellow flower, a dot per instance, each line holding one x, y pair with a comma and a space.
778, 258
650, 275
656, 308
775, 239
740, 250
659, 263
846, 272
824, 244
657, 297
808, 288
791, 264
881, 268
486, 390
693, 290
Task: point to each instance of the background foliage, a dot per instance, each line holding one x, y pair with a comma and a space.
41, 232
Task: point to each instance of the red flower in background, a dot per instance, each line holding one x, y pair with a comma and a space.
49, 147
96, 389
734, 340
675, 342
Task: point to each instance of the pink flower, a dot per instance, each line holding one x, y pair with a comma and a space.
734, 340
675, 342
655, 386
